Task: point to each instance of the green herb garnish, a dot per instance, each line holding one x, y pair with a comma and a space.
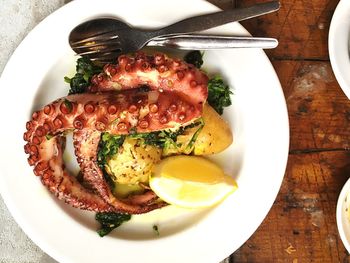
108, 146
152, 138
218, 94
195, 58
195, 135
85, 69
48, 136
110, 221
165, 139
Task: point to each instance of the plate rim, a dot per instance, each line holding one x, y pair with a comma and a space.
47, 249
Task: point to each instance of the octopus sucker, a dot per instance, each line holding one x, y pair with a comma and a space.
141, 94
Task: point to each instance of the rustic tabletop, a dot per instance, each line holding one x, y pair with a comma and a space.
301, 225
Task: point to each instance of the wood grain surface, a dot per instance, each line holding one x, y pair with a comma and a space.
301, 225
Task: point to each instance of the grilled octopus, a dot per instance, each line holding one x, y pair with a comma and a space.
141, 93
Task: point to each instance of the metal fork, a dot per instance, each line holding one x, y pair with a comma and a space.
104, 39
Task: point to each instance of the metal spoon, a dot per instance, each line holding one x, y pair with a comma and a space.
104, 39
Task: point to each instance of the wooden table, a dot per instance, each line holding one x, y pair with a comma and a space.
301, 226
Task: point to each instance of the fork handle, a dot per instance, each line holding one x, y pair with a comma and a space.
203, 22
207, 42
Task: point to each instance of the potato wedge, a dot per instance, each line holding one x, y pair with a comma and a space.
215, 136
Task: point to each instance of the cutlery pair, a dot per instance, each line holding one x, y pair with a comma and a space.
104, 39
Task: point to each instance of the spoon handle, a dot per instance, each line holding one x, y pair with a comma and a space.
203, 22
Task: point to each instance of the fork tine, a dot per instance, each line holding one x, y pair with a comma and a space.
112, 42
97, 41
102, 50
108, 56
105, 36
90, 52
105, 61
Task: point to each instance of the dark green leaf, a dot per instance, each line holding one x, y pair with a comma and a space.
78, 84
86, 66
110, 221
218, 94
195, 58
85, 69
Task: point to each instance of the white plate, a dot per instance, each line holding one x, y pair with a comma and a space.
343, 215
338, 45
257, 159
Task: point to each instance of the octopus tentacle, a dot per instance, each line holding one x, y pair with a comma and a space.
112, 112
53, 175
148, 198
86, 147
158, 72
94, 112
175, 94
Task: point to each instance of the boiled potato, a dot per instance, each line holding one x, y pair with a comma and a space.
124, 190
215, 136
134, 162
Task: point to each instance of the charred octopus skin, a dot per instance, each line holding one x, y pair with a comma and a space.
158, 72
117, 104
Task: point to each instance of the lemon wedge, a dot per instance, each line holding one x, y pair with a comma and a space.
191, 182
